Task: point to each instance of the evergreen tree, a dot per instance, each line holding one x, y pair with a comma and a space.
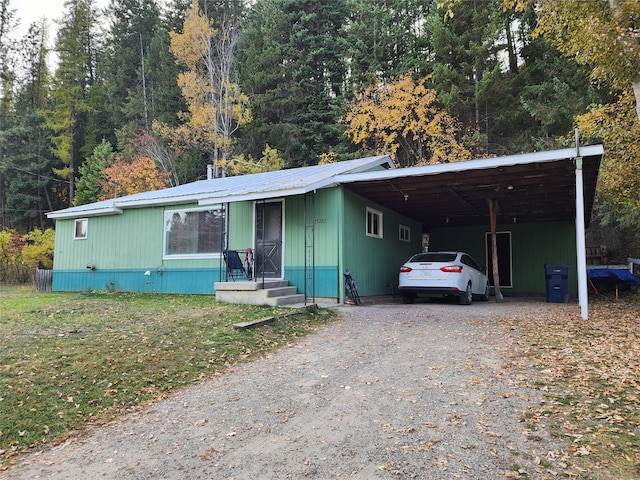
30, 185
165, 99
34, 53
466, 60
92, 174
386, 39
69, 116
133, 23
293, 68
7, 24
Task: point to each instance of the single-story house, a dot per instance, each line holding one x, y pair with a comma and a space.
308, 225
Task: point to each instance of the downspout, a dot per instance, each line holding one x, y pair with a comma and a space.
583, 295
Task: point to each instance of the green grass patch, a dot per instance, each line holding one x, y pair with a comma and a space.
68, 360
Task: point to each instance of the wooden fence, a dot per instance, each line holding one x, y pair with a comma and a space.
44, 279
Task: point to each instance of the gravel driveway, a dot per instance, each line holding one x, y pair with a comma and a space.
391, 391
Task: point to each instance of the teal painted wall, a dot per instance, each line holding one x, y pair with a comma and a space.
325, 209
123, 247
375, 262
532, 246
325, 280
174, 280
341, 242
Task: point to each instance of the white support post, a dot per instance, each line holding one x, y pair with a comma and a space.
583, 294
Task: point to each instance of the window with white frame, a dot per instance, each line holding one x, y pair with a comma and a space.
194, 232
404, 233
374, 223
80, 229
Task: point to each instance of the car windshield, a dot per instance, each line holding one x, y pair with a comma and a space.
434, 257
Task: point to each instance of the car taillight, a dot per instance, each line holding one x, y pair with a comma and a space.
452, 269
405, 269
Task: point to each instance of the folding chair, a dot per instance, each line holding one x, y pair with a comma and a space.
235, 268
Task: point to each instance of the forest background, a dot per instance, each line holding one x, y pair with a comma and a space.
146, 94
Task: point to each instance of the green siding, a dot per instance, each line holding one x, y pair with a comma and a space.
326, 208
240, 225
123, 247
533, 245
130, 240
374, 262
340, 242
324, 211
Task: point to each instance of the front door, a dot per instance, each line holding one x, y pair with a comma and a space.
268, 254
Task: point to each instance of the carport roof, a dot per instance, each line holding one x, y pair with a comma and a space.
533, 187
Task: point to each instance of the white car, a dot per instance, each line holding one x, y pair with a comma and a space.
443, 274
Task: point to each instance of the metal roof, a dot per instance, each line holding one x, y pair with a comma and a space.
532, 187
275, 184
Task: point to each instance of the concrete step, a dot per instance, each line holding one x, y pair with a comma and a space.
274, 293
250, 285
278, 291
285, 300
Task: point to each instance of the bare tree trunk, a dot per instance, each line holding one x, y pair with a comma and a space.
513, 59
226, 48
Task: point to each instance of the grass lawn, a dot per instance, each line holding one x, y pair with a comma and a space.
69, 359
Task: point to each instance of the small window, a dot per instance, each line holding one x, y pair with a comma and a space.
80, 230
374, 223
405, 233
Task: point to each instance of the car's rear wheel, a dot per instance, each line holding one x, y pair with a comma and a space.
408, 297
485, 297
468, 296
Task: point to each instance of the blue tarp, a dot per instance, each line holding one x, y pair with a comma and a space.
613, 274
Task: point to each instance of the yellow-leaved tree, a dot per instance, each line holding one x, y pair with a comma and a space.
403, 120
38, 249
243, 165
216, 105
619, 180
602, 33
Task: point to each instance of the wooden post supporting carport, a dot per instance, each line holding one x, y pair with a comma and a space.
493, 213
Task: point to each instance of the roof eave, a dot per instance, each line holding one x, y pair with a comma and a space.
96, 212
254, 196
477, 164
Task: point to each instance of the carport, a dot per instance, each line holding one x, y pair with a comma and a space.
538, 187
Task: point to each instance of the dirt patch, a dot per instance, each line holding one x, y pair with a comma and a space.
415, 391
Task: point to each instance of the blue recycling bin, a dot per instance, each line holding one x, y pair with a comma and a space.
557, 279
